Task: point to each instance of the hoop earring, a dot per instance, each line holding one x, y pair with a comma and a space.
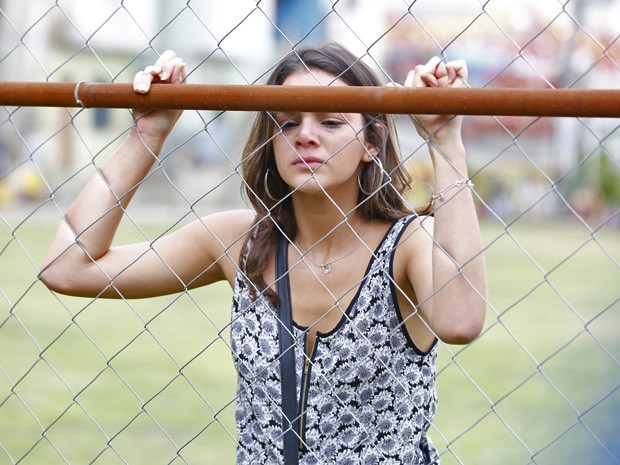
266, 186
359, 183
375, 185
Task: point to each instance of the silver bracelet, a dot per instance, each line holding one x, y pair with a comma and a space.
442, 195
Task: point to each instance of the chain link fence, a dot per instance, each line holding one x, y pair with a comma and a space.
152, 381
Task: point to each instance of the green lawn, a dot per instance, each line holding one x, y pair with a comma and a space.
151, 381
539, 385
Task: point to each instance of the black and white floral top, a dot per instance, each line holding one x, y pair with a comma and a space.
366, 394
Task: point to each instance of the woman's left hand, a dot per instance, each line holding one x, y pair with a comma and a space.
436, 73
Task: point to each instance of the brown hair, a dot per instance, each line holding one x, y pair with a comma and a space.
383, 183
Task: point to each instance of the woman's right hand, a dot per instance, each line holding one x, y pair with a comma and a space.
168, 69
437, 74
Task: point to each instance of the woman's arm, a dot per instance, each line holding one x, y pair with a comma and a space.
448, 273
80, 260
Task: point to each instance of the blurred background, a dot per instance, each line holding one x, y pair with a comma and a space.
93, 381
536, 44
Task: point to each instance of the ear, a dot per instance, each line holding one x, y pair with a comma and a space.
370, 152
374, 141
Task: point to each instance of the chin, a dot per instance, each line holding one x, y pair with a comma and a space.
306, 185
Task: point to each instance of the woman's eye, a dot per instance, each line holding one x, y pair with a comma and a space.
289, 124
333, 123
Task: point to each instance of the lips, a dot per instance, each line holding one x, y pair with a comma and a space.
308, 162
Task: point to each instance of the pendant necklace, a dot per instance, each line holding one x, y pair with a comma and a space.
327, 266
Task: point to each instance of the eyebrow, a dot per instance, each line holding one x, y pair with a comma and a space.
289, 114
282, 114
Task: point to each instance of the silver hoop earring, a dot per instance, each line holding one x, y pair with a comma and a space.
266, 186
359, 183
375, 185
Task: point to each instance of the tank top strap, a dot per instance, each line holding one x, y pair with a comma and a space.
386, 249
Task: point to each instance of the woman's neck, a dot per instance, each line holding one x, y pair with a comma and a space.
324, 225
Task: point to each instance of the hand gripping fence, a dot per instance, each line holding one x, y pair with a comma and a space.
469, 101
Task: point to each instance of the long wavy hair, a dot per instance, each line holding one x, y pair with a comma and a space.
382, 182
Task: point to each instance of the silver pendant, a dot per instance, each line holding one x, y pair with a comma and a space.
327, 269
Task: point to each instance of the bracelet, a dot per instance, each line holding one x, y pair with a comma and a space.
442, 195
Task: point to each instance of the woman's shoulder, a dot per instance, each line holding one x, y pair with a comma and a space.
416, 233
415, 222
413, 252
223, 236
232, 217
230, 226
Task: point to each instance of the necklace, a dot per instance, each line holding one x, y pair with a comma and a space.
327, 266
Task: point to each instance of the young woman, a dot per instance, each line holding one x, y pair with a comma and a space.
373, 285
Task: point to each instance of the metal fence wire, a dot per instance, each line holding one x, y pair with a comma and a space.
152, 381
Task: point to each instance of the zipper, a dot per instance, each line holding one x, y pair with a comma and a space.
303, 396
303, 391
426, 453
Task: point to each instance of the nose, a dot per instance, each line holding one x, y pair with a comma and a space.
306, 135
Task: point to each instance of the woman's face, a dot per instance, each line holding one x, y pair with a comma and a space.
316, 151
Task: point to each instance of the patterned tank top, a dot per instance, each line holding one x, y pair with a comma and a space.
366, 394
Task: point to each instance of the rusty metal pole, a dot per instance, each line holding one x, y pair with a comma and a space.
396, 100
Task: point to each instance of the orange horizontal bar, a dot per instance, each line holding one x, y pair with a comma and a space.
396, 100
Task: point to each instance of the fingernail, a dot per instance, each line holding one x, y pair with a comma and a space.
142, 87
163, 76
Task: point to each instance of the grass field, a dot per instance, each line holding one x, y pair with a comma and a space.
151, 381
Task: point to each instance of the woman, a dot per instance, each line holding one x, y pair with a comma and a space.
331, 184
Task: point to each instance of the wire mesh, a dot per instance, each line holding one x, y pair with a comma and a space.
151, 381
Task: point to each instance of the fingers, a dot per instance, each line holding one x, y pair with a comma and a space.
436, 73
460, 69
167, 69
143, 79
165, 57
